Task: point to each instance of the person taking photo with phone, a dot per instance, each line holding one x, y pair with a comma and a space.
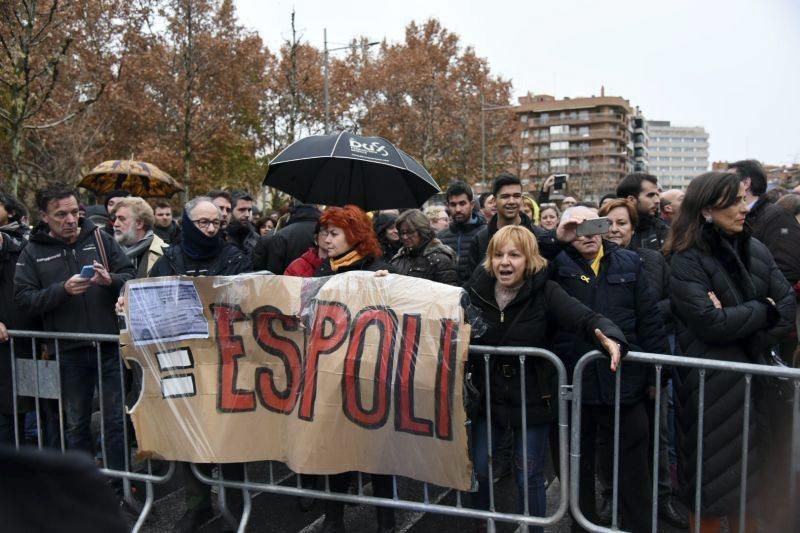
610, 281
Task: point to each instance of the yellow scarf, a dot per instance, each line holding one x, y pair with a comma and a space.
596, 261
346, 260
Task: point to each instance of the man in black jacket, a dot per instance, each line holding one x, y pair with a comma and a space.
291, 241
770, 224
466, 222
507, 191
12, 241
611, 281
241, 231
773, 226
165, 227
203, 252
48, 282
642, 191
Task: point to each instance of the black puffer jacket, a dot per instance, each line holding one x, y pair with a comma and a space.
432, 261
46, 263
175, 262
656, 269
621, 293
458, 237
545, 307
780, 233
742, 274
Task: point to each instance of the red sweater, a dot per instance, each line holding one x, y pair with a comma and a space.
305, 265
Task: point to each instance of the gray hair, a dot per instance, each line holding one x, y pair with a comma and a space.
570, 211
416, 220
191, 204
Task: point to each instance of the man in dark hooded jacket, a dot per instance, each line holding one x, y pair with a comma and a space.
465, 224
48, 281
12, 241
292, 240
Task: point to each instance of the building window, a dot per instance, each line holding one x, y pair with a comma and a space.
559, 145
559, 162
583, 115
559, 130
583, 131
526, 166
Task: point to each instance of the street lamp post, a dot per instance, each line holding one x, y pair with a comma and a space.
484, 108
325, 53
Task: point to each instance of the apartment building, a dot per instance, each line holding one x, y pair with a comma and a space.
676, 153
588, 138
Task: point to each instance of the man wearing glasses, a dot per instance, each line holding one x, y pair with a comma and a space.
203, 252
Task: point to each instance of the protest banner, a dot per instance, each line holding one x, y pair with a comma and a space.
328, 375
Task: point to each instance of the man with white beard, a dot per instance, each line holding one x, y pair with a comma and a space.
133, 230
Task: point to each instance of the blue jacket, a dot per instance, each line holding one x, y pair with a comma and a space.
621, 293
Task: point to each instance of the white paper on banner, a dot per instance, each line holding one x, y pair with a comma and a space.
165, 311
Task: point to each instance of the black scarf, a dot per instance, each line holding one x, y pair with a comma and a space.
196, 244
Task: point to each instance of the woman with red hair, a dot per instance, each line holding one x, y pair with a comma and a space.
346, 234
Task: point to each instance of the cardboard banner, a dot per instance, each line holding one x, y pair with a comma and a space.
328, 375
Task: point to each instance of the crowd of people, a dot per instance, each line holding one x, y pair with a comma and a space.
709, 273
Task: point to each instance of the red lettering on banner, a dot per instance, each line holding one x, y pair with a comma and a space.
386, 322
404, 419
327, 314
445, 380
264, 320
230, 399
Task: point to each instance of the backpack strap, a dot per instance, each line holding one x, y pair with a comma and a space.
101, 248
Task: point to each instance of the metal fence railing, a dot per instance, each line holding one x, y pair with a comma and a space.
36, 374
703, 366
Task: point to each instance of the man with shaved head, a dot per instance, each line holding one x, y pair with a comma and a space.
671, 204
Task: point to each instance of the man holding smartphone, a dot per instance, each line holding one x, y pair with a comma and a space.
48, 283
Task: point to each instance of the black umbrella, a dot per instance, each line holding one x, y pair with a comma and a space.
349, 169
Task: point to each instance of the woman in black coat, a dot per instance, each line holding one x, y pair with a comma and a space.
730, 302
423, 255
520, 307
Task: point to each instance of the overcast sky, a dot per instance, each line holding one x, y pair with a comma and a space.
731, 66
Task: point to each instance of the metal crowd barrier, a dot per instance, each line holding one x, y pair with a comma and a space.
703, 365
520, 356
41, 380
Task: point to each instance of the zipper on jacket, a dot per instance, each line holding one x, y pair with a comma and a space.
502, 316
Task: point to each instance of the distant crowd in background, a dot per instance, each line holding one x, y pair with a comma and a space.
709, 272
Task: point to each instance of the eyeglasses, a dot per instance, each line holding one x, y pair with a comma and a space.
203, 223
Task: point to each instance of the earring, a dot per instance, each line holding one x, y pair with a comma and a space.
708, 219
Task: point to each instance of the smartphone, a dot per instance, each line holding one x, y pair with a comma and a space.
559, 181
87, 272
593, 226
